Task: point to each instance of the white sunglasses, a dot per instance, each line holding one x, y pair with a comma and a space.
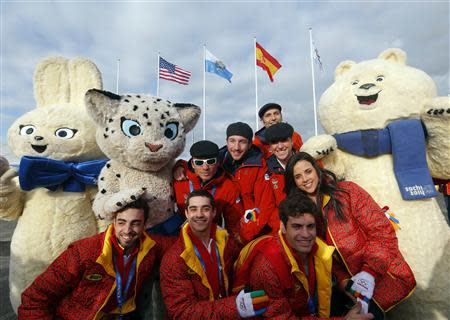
201, 162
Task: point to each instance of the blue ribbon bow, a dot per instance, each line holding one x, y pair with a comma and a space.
35, 172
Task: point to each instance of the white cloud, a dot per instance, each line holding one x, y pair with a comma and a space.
136, 32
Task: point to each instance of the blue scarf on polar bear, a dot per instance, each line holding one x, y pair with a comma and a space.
405, 139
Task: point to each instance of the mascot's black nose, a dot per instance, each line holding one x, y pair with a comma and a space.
367, 86
38, 138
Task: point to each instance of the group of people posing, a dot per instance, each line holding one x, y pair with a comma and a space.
269, 233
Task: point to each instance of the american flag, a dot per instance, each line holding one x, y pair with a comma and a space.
171, 72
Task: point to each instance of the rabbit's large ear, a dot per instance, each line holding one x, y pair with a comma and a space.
51, 82
83, 75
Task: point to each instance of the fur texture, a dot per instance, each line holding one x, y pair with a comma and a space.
142, 135
59, 129
396, 91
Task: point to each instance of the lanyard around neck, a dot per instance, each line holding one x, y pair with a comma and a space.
219, 263
122, 295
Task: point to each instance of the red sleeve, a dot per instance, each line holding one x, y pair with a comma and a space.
297, 141
265, 202
40, 299
381, 240
233, 211
179, 298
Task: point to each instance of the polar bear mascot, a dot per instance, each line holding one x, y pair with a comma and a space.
142, 135
384, 121
53, 196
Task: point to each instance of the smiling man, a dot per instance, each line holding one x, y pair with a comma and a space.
270, 114
203, 171
196, 271
246, 165
294, 268
97, 277
279, 137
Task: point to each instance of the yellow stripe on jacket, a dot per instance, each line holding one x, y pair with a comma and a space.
191, 260
106, 261
323, 261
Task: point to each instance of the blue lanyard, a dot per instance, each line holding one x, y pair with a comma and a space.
219, 263
312, 304
313, 300
213, 191
121, 296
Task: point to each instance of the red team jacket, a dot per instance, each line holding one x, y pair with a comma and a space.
225, 193
367, 241
80, 282
256, 192
186, 291
269, 263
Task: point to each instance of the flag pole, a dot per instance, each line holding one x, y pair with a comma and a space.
256, 90
313, 83
204, 92
117, 76
157, 80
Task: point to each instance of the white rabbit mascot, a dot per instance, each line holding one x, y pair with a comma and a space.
60, 162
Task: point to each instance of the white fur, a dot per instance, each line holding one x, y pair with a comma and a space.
404, 92
49, 221
134, 167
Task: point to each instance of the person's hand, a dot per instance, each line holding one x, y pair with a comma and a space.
355, 313
251, 215
179, 173
362, 286
250, 304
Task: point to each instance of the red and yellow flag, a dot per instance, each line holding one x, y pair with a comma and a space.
266, 61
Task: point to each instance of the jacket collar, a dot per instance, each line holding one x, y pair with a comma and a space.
322, 265
105, 258
273, 165
261, 134
191, 260
253, 157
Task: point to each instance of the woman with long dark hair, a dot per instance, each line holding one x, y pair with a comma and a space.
353, 222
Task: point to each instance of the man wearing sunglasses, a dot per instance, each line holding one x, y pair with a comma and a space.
203, 171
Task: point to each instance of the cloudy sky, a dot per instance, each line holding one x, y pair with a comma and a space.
135, 31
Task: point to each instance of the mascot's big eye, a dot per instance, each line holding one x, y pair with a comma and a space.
131, 128
171, 131
355, 82
27, 130
65, 133
380, 78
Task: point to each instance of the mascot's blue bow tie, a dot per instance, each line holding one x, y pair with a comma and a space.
35, 172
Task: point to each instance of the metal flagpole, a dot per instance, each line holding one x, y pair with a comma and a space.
256, 91
204, 92
313, 83
117, 76
157, 80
